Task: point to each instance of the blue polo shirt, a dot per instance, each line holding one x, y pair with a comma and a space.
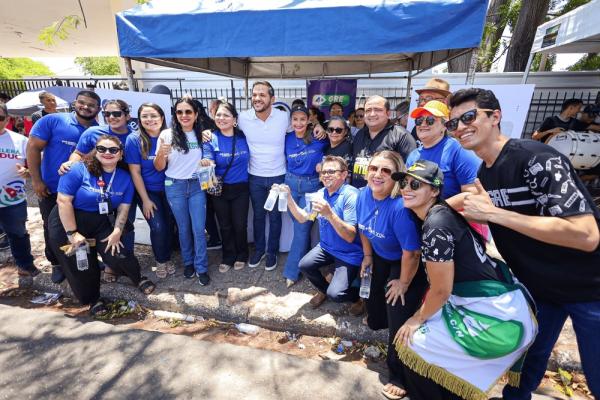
154, 180
302, 158
387, 224
220, 148
343, 204
459, 165
83, 186
61, 132
88, 140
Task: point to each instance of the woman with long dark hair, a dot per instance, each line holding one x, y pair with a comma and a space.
476, 321
93, 203
140, 150
228, 151
179, 153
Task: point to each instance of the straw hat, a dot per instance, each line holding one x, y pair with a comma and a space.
436, 85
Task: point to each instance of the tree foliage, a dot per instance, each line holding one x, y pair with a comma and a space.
15, 68
99, 65
59, 30
589, 62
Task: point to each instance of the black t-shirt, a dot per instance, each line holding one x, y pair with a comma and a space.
447, 237
532, 178
573, 124
392, 137
343, 150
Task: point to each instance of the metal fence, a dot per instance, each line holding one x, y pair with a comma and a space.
544, 103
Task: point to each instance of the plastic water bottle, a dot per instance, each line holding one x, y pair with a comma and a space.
282, 204
273, 194
81, 256
248, 329
365, 284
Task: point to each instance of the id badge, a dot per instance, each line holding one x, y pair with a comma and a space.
103, 208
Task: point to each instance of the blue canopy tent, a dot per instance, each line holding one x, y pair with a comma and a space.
289, 39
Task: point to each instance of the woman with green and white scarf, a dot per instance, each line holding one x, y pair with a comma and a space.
476, 321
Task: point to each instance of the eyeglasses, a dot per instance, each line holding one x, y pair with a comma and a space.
467, 118
384, 170
427, 99
116, 114
414, 184
2, 118
111, 150
184, 112
359, 116
430, 120
150, 116
330, 171
336, 130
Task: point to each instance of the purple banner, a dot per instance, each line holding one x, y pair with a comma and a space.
322, 93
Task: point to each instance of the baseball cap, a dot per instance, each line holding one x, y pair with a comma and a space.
425, 171
433, 107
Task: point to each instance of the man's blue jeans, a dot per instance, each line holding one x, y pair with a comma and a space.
299, 186
259, 191
188, 203
12, 221
551, 318
161, 226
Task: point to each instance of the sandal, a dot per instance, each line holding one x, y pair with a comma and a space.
146, 286
98, 309
224, 268
170, 267
385, 392
109, 276
161, 270
239, 265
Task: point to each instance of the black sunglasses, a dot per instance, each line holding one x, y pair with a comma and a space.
467, 118
329, 171
116, 114
384, 170
187, 111
430, 120
2, 118
414, 184
336, 130
111, 150
359, 116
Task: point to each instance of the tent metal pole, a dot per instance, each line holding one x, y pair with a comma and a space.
129, 72
246, 91
472, 67
409, 80
527, 68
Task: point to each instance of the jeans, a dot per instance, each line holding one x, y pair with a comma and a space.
340, 289
12, 221
232, 212
188, 203
299, 186
551, 318
259, 191
161, 226
46, 205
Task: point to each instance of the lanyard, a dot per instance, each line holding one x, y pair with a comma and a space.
104, 194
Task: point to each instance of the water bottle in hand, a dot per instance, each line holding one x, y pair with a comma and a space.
282, 205
273, 193
365, 284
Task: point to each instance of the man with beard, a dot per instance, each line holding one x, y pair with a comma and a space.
57, 135
379, 134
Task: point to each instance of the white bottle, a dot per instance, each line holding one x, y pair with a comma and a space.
365, 284
282, 204
273, 193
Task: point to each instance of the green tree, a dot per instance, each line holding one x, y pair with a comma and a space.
589, 62
99, 65
15, 68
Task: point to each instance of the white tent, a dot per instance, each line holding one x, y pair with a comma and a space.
577, 31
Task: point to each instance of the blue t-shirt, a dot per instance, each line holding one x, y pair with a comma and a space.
88, 140
387, 224
154, 180
219, 150
61, 131
459, 165
302, 158
343, 204
83, 186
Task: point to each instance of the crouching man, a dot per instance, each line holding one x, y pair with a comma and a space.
335, 209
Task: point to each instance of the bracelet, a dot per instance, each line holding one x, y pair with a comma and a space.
71, 233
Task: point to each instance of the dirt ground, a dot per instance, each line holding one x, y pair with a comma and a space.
13, 293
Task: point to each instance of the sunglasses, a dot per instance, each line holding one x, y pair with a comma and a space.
430, 120
2, 118
414, 184
359, 116
336, 130
384, 170
111, 150
116, 114
329, 171
184, 112
467, 118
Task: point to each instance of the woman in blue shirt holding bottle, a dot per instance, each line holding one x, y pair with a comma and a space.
228, 150
303, 152
391, 246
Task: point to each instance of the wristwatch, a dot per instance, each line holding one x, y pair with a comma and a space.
71, 233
